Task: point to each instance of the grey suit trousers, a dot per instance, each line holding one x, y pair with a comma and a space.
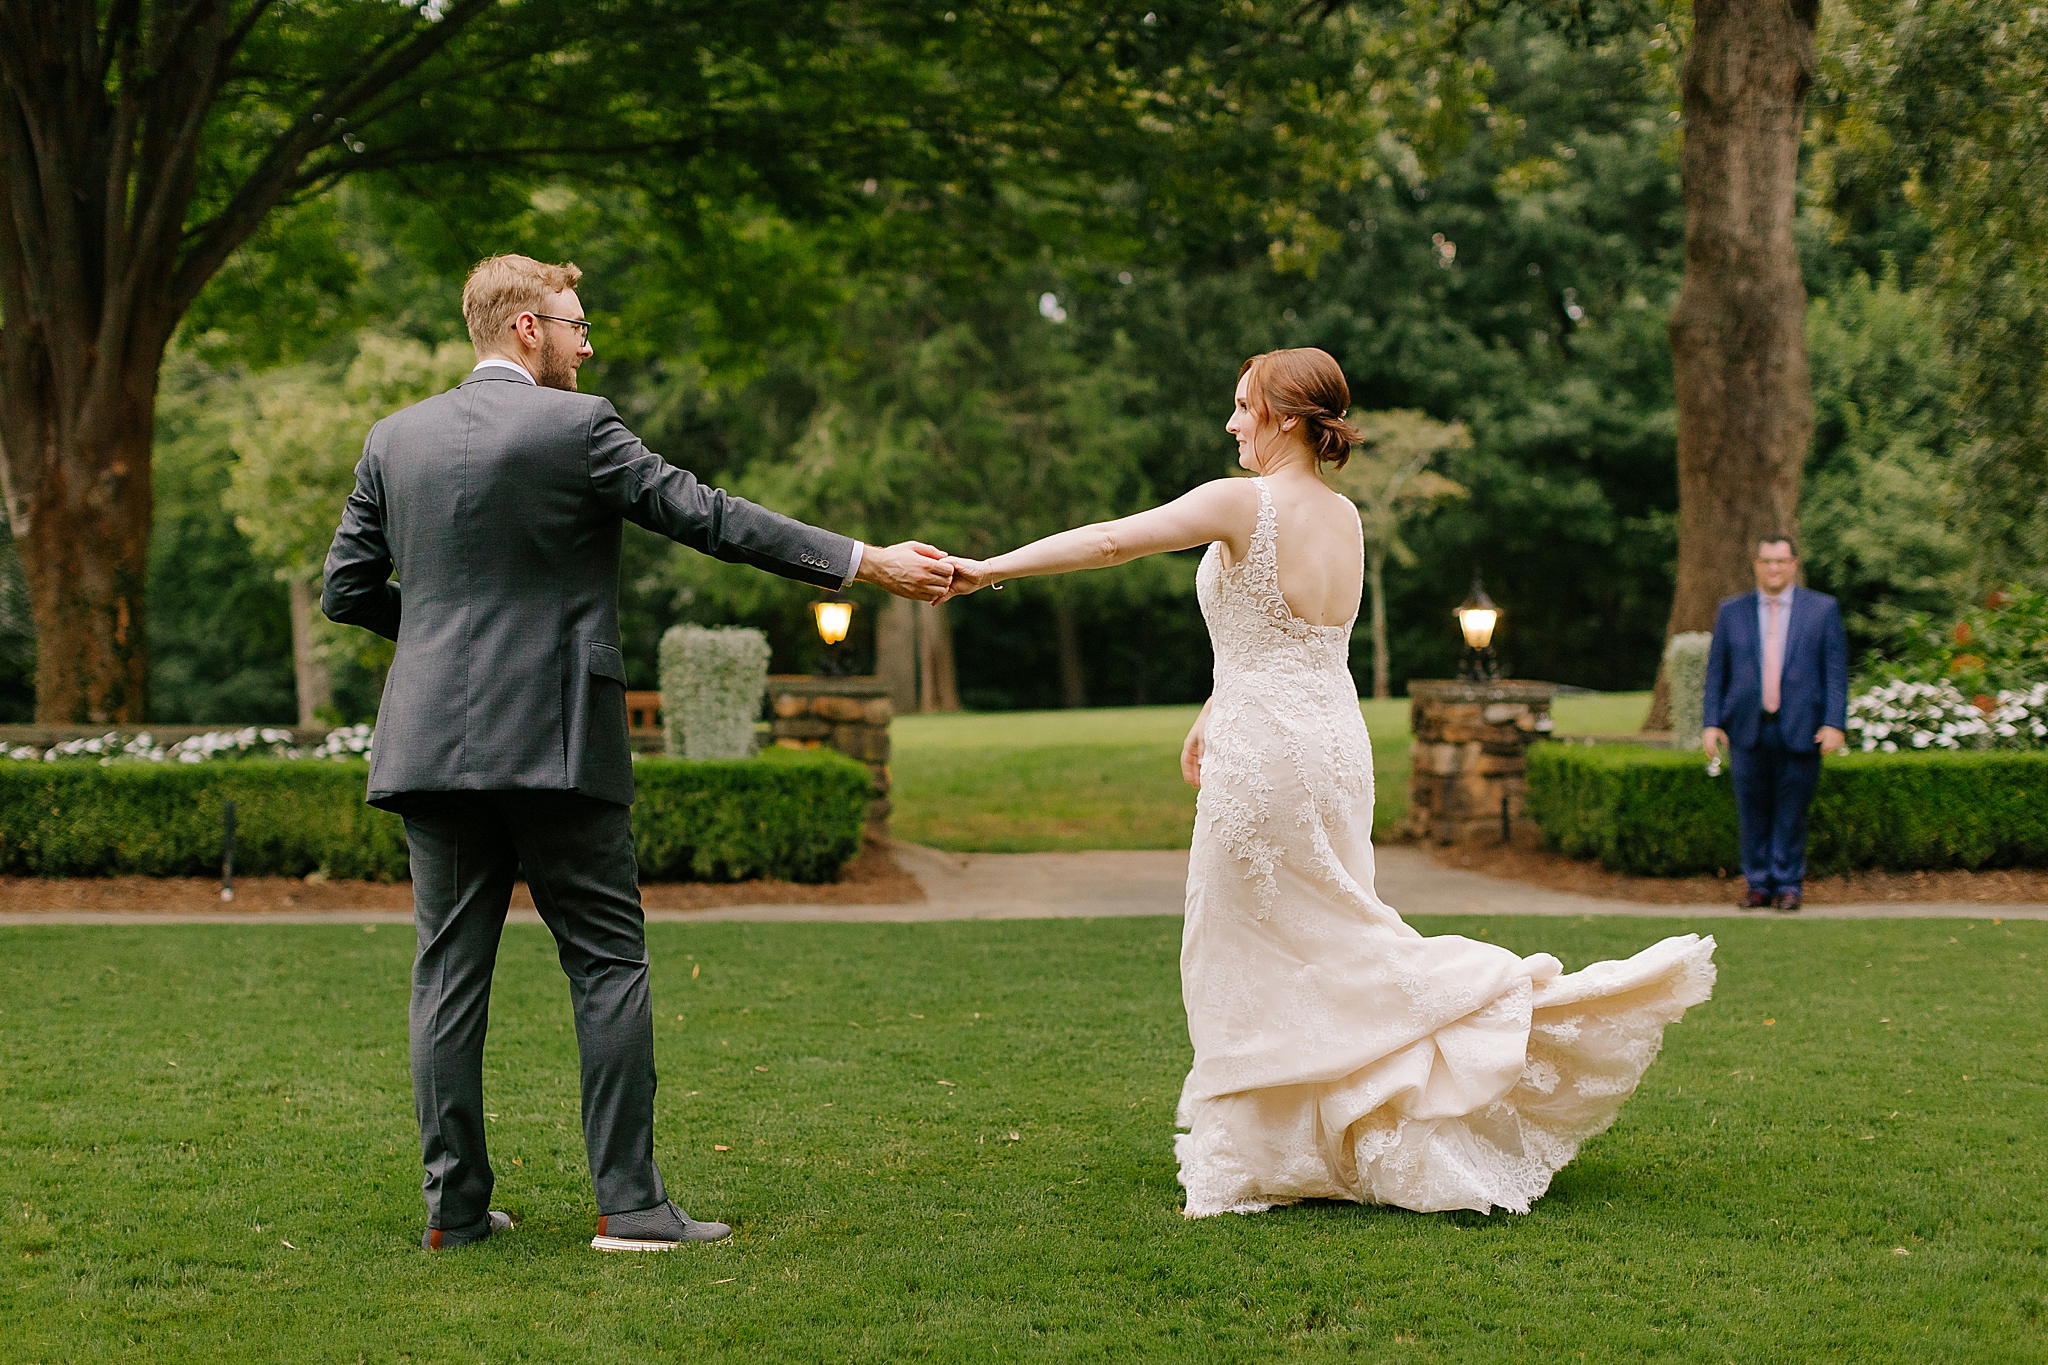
577, 852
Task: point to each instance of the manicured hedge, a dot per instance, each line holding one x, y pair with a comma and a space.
792, 815
1655, 812
70, 819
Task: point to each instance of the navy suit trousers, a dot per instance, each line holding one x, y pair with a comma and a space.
1773, 788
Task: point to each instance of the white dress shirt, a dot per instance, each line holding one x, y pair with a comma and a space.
511, 365
853, 565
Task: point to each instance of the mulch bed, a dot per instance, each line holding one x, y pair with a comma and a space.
871, 879
1539, 867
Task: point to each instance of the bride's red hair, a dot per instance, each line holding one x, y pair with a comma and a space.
1305, 382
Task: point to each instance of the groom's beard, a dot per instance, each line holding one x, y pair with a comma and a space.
556, 368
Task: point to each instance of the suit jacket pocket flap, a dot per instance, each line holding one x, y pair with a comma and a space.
607, 662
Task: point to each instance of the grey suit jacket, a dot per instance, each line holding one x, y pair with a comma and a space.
498, 505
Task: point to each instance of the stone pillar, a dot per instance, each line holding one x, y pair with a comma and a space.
1468, 756
848, 714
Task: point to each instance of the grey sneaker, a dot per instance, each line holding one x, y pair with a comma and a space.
661, 1228
437, 1239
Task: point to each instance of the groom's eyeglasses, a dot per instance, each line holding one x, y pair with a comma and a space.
582, 325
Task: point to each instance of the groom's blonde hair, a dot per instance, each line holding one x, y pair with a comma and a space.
503, 287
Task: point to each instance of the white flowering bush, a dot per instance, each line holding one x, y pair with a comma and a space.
254, 741
712, 682
1685, 663
1896, 716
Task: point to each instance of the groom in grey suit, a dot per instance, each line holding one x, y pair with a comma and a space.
501, 738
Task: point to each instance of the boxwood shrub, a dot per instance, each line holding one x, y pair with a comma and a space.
1655, 812
793, 814
796, 816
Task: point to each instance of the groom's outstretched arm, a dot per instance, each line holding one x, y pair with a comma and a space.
358, 589
650, 492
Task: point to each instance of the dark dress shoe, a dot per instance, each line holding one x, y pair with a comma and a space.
1754, 900
1786, 903
661, 1228
440, 1239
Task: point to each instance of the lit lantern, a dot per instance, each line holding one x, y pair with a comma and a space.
1477, 617
834, 618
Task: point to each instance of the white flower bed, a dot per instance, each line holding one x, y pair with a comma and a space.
255, 741
1918, 715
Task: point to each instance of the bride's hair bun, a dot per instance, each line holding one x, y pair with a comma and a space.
1306, 382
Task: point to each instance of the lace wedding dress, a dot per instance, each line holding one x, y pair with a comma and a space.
1338, 1053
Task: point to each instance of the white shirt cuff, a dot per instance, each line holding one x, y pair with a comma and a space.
853, 569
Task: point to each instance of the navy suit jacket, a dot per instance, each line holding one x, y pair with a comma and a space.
1813, 688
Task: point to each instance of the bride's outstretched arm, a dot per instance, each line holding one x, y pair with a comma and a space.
1223, 510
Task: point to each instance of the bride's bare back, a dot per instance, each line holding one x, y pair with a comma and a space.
1322, 570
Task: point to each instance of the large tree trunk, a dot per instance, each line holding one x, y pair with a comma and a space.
1376, 579
937, 687
1738, 335
77, 479
1073, 681
896, 652
309, 661
104, 111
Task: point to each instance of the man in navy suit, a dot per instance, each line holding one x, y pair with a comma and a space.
1777, 699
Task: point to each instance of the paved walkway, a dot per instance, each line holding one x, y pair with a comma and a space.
1081, 885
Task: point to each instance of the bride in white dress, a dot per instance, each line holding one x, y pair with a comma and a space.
1338, 1053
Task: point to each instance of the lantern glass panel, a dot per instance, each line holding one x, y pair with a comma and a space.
1477, 623
834, 619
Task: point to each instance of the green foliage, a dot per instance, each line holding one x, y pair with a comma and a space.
17, 637
1999, 645
166, 820
792, 815
1563, 200
219, 625
1938, 106
300, 434
1656, 813
1389, 478
259, 1199
1879, 512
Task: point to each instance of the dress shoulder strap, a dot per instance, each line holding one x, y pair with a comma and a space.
1265, 532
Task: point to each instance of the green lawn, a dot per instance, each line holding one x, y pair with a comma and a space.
207, 1152
1021, 782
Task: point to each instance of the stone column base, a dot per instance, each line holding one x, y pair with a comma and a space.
1467, 778
851, 715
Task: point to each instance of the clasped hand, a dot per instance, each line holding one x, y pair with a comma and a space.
924, 573
910, 569
970, 575
1714, 739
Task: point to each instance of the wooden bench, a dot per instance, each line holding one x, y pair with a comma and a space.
643, 713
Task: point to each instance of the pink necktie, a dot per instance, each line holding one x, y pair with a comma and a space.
1774, 654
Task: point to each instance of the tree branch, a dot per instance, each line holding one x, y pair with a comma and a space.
210, 246
122, 18
156, 235
165, 53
